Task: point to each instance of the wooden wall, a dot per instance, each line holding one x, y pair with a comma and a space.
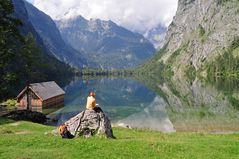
36, 102
23, 102
55, 101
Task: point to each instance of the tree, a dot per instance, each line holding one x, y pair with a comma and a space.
21, 60
10, 39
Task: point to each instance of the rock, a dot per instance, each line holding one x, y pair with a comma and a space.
124, 125
89, 123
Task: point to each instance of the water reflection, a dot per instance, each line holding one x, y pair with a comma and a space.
194, 106
153, 117
175, 105
119, 98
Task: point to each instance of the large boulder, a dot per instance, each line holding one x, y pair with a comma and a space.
88, 123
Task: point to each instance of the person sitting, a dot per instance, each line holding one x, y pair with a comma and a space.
91, 103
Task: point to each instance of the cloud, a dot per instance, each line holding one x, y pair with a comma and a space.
136, 15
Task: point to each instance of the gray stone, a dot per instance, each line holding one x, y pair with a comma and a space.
89, 123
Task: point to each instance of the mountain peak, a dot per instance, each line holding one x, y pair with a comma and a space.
51, 37
79, 18
104, 41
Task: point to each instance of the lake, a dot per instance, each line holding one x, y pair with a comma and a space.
169, 106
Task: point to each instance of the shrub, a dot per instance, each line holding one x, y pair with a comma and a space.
11, 103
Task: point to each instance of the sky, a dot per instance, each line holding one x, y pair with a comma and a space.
135, 15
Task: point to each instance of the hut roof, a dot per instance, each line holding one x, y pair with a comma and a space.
45, 90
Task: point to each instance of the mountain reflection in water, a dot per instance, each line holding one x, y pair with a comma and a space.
167, 106
153, 117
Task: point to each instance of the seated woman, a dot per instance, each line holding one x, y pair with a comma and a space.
91, 102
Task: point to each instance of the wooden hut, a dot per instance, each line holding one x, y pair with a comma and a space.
40, 95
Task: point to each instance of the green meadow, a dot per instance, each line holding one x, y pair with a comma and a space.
26, 140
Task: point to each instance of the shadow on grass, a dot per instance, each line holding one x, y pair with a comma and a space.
26, 115
5, 120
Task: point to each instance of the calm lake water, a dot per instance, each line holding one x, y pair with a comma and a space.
168, 107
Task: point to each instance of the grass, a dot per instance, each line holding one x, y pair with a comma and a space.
190, 72
28, 140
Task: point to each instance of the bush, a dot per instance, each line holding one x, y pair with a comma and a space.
201, 30
225, 65
222, 2
11, 103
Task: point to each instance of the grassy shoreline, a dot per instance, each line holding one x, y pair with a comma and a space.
29, 140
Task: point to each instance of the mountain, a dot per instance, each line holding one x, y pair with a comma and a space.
51, 37
156, 36
23, 57
203, 35
104, 42
20, 13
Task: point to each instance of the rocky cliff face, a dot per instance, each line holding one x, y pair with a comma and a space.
105, 43
200, 31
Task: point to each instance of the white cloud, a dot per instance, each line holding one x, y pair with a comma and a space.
137, 15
